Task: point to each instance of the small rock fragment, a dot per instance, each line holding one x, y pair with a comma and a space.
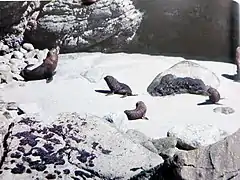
224, 110
28, 46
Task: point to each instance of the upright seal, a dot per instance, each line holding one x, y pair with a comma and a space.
45, 71
118, 87
138, 113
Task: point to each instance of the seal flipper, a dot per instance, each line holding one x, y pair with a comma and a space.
145, 118
109, 94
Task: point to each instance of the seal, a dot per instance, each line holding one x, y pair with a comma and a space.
45, 71
138, 113
118, 87
214, 95
88, 2
237, 62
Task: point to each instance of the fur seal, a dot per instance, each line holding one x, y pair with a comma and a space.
118, 87
45, 71
138, 113
214, 95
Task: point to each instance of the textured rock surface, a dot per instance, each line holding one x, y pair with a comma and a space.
193, 136
224, 110
186, 69
73, 147
86, 27
219, 161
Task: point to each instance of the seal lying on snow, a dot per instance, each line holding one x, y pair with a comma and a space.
117, 87
138, 113
45, 71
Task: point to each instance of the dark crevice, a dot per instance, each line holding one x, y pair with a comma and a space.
5, 144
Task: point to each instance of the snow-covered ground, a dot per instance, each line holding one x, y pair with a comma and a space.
71, 92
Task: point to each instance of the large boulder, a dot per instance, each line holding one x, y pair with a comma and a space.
184, 69
73, 147
219, 161
81, 27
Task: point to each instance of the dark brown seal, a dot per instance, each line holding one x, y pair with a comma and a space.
118, 87
138, 113
45, 71
214, 95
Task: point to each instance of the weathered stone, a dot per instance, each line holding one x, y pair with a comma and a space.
193, 136
224, 110
12, 106
185, 69
17, 54
22, 50
80, 27
41, 55
217, 161
5, 73
60, 148
28, 46
163, 144
31, 54
140, 138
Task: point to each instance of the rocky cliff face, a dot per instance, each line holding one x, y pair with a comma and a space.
194, 29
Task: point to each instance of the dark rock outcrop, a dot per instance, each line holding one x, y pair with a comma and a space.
183, 77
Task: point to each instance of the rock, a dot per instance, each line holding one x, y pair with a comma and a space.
31, 61
79, 27
17, 65
163, 144
7, 115
17, 54
28, 46
17, 77
8, 56
5, 49
140, 138
22, 50
2, 105
4, 125
93, 75
12, 106
41, 55
193, 136
31, 54
30, 109
59, 150
5, 73
216, 161
224, 110
118, 119
3, 60
185, 69
1, 44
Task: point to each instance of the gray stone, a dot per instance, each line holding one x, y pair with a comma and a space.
28, 46
3, 60
17, 54
5, 73
186, 68
80, 27
5, 48
7, 115
140, 138
193, 136
163, 144
218, 161
224, 110
31, 54
31, 60
42, 54
22, 50
8, 56
62, 148
12, 106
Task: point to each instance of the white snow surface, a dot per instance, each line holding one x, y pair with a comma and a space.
71, 92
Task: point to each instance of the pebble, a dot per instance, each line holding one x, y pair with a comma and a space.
4, 68
15, 61
31, 54
24, 51
5, 48
41, 55
31, 60
17, 54
28, 46
224, 110
12, 106
8, 56
3, 60
1, 44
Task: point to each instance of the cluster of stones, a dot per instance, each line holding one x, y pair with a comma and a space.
13, 60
